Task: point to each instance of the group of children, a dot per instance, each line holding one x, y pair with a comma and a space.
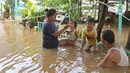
88, 36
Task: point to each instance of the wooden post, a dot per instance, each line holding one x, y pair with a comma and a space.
127, 5
120, 21
16, 9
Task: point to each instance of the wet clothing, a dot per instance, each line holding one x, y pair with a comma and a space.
90, 37
124, 58
49, 41
72, 36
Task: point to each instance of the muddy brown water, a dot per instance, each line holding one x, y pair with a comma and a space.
21, 52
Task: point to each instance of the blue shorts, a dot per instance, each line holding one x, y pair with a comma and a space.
100, 46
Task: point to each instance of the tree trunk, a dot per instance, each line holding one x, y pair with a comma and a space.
126, 5
80, 9
95, 10
100, 9
102, 14
128, 41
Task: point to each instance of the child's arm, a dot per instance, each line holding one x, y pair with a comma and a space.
76, 36
93, 49
95, 37
94, 43
83, 41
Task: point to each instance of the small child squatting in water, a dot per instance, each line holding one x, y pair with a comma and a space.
72, 35
89, 36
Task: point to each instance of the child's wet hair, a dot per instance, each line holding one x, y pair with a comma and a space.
90, 20
75, 23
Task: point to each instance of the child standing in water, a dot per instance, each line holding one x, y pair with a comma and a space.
90, 35
71, 35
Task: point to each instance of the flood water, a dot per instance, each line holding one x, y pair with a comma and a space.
21, 52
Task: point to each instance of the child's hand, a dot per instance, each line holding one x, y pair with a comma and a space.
93, 49
81, 48
71, 42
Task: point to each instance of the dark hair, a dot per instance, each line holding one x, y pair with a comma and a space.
50, 12
90, 19
109, 36
75, 24
6, 12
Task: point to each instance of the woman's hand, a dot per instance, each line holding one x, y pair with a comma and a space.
66, 26
57, 33
93, 49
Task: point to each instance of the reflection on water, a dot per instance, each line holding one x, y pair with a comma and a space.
62, 52
22, 53
1, 29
